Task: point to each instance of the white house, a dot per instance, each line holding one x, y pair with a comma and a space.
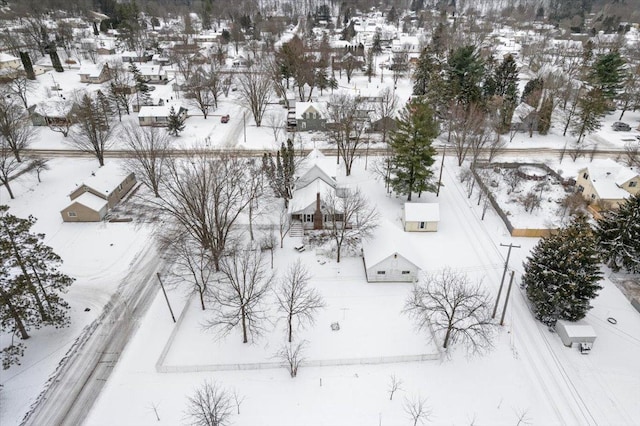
158, 115
389, 256
607, 183
154, 74
94, 74
421, 217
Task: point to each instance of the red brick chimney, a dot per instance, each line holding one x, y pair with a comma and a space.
317, 215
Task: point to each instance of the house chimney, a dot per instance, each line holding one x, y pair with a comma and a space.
317, 215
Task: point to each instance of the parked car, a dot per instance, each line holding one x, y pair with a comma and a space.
224, 118
619, 126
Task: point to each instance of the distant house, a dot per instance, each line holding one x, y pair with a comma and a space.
91, 201
153, 74
53, 112
158, 115
389, 257
309, 116
9, 62
94, 74
607, 184
130, 56
421, 217
525, 118
384, 123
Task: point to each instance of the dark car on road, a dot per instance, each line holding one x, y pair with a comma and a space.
224, 118
619, 126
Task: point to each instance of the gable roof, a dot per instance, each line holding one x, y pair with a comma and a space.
91, 70
105, 179
159, 110
302, 107
421, 212
606, 176
324, 166
387, 241
5, 57
90, 201
305, 196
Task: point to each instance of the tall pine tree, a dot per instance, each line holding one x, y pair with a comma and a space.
412, 152
30, 282
562, 274
618, 236
608, 74
281, 174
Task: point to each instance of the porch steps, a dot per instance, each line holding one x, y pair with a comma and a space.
296, 229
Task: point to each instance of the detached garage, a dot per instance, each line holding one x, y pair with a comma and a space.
576, 332
387, 257
421, 217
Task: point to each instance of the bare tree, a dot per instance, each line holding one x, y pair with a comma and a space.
8, 165
93, 130
62, 119
255, 88
400, 66
385, 109
238, 400
210, 405
296, 300
192, 264
394, 386
39, 165
15, 127
417, 410
450, 305
149, 152
205, 195
467, 127
284, 224
291, 355
346, 126
241, 294
197, 87
632, 154
121, 87
351, 219
20, 86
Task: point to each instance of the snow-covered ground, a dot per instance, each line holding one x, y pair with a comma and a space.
529, 374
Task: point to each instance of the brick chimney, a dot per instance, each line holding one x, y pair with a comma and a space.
317, 215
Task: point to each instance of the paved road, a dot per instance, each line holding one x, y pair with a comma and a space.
78, 382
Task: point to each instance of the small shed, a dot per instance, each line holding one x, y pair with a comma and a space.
575, 332
388, 256
421, 217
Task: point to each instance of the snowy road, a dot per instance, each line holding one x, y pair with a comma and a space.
530, 338
68, 398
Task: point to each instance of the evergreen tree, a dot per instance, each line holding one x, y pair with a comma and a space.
532, 91
281, 174
562, 274
506, 76
544, 116
465, 71
142, 88
591, 109
55, 59
608, 74
618, 236
412, 153
30, 282
376, 45
176, 122
392, 15
28, 66
427, 79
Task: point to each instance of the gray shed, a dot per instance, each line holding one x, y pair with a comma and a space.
576, 332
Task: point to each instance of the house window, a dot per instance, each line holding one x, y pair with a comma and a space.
308, 218
406, 272
381, 272
580, 188
72, 214
593, 196
633, 184
585, 175
120, 188
421, 225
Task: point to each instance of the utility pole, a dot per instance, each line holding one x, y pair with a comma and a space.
444, 151
166, 298
504, 273
244, 124
506, 301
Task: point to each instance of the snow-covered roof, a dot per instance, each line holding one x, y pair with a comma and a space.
304, 197
91, 70
302, 107
577, 329
106, 178
422, 212
158, 110
607, 175
316, 159
91, 201
522, 111
388, 240
150, 69
54, 107
5, 57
